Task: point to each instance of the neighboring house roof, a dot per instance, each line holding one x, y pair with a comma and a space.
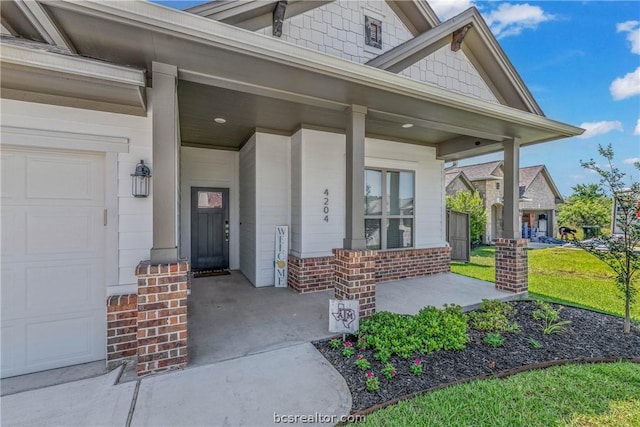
529, 174
481, 48
479, 172
451, 176
486, 171
253, 15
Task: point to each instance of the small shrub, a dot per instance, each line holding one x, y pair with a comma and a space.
535, 344
549, 318
373, 383
494, 339
362, 363
416, 367
404, 335
389, 371
347, 350
335, 343
494, 316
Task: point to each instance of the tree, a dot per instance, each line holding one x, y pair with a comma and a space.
588, 205
471, 202
620, 251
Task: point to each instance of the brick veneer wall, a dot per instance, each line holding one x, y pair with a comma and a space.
311, 274
317, 274
407, 263
162, 316
122, 329
512, 265
355, 278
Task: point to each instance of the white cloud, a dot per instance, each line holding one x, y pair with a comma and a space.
632, 28
510, 19
446, 9
631, 160
636, 131
627, 86
599, 128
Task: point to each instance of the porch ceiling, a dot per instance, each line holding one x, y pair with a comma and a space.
256, 81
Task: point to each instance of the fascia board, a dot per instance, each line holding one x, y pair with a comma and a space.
74, 65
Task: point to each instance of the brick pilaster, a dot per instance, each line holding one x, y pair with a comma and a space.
122, 329
162, 316
512, 266
355, 278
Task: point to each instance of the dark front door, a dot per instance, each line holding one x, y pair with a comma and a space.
209, 228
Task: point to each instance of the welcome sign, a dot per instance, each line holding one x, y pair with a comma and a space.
282, 253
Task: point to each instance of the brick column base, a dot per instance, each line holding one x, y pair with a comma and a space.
162, 316
122, 329
355, 278
512, 266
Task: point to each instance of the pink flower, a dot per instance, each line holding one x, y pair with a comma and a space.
370, 374
360, 357
348, 344
393, 373
417, 362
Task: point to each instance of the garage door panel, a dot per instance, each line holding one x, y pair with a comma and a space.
53, 231
53, 341
74, 178
12, 346
64, 288
12, 220
12, 291
12, 174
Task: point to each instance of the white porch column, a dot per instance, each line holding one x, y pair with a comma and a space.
511, 189
164, 102
354, 230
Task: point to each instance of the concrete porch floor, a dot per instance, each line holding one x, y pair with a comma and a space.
230, 318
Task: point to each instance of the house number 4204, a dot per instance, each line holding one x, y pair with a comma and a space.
325, 205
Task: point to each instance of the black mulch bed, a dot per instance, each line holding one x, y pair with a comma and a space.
590, 335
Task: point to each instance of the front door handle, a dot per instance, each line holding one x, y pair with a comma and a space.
226, 230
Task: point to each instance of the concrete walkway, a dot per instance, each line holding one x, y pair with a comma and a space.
409, 296
249, 391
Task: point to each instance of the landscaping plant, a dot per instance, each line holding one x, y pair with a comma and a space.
430, 330
548, 318
494, 316
348, 350
494, 339
335, 343
535, 344
373, 383
621, 250
362, 363
416, 367
389, 371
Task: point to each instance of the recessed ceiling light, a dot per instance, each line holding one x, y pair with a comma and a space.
220, 120
407, 125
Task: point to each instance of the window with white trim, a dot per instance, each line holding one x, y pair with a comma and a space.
388, 209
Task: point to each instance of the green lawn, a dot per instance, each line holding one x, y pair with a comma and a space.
569, 276
570, 395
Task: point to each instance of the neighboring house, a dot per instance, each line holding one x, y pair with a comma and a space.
250, 115
456, 181
538, 204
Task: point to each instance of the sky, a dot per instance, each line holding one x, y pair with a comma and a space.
581, 62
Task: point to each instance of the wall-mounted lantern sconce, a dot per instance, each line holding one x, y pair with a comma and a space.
140, 180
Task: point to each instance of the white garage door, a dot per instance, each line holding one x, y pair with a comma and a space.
52, 260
